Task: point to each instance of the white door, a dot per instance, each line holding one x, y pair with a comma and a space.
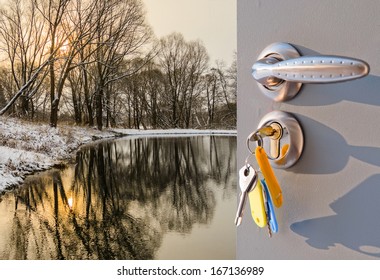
331, 207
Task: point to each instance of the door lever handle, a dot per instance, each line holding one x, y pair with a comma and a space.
308, 69
281, 70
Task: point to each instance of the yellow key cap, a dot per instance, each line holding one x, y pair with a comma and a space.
270, 178
256, 201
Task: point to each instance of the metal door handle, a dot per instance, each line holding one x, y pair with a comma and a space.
281, 70
308, 69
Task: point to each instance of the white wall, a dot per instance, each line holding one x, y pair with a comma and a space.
332, 195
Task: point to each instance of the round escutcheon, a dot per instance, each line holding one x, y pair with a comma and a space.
285, 90
291, 141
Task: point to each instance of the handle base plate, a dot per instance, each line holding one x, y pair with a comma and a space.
285, 90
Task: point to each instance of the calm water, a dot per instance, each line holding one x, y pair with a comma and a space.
147, 198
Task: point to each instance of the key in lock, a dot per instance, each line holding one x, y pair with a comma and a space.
273, 132
280, 134
274, 149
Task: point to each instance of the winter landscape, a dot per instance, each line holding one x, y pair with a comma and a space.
27, 148
76, 76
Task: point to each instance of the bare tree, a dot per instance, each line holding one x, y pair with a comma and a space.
53, 11
211, 92
96, 62
75, 80
198, 57
70, 29
153, 88
21, 34
182, 64
228, 80
219, 95
78, 49
121, 35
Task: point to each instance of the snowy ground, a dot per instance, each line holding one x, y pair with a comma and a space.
28, 147
174, 132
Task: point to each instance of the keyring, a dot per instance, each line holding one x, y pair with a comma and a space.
247, 165
257, 138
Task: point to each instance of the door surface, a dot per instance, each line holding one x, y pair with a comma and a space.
332, 194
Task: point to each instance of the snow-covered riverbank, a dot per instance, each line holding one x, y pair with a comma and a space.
28, 147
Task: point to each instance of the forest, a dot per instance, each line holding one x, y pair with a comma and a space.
98, 63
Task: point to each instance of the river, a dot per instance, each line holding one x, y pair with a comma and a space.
129, 198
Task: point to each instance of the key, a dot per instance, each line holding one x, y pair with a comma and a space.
267, 214
247, 182
265, 131
270, 209
275, 140
257, 203
270, 178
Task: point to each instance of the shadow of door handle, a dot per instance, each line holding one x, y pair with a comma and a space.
281, 70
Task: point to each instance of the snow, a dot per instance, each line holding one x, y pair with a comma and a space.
176, 132
29, 147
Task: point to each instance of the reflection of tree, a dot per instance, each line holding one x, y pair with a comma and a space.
125, 196
25, 232
168, 171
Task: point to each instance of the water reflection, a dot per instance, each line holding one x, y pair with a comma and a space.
122, 198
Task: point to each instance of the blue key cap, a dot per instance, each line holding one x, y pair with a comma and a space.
271, 214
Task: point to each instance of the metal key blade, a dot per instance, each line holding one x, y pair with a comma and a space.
239, 213
247, 178
247, 181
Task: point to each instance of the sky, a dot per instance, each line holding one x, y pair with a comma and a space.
211, 21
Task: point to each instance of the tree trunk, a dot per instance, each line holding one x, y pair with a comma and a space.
99, 107
88, 100
54, 113
53, 101
77, 109
108, 106
154, 110
24, 105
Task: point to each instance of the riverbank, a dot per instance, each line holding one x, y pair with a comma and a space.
27, 147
